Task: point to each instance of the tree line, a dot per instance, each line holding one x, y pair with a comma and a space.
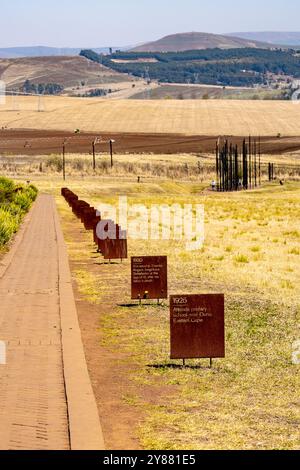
42, 88
235, 67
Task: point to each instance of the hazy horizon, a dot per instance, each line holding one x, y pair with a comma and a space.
76, 46
66, 23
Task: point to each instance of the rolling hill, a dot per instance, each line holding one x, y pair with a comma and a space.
65, 71
194, 41
271, 37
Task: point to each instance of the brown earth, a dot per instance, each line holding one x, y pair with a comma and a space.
109, 375
40, 142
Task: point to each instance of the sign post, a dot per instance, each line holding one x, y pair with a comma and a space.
94, 143
65, 142
197, 324
64, 161
94, 155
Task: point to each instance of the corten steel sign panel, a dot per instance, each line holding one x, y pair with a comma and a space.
197, 325
106, 225
87, 215
78, 206
149, 277
95, 223
115, 249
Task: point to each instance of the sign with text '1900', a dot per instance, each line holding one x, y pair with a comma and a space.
197, 326
149, 277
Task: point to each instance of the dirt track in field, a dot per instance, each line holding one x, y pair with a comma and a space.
34, 142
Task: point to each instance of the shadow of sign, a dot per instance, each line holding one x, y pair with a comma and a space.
179, 366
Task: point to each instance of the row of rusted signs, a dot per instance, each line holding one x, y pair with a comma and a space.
197, 322
110, 247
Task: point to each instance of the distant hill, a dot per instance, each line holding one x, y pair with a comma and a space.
271, 37
64, 71
43, 51
194, 41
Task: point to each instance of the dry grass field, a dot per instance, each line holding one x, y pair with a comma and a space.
250, 400
196, 92
185, 167
66, 71
192, 117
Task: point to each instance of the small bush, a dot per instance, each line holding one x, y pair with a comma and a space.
15, 201
78, 164
55, 163
8, 226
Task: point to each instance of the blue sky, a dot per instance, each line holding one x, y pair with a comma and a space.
94, 23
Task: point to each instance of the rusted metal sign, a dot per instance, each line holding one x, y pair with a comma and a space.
149, 277
197, 325
115, 249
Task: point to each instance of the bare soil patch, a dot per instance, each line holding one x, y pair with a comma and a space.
44, 142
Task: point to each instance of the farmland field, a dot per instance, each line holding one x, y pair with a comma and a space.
249, 400
39, 143
190, 117
195, 92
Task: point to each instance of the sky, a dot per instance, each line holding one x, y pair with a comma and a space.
97, 23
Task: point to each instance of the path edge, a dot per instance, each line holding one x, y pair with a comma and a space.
84, 422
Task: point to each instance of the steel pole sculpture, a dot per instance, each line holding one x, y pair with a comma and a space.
111, 142
232, 174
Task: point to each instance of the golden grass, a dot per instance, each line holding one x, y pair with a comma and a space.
206, 117
250, 400
199, 168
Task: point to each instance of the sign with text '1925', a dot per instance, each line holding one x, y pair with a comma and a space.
149, 277
197, 326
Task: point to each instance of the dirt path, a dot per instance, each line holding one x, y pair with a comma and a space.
38, 404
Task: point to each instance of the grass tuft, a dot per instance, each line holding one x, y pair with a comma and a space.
241, 259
